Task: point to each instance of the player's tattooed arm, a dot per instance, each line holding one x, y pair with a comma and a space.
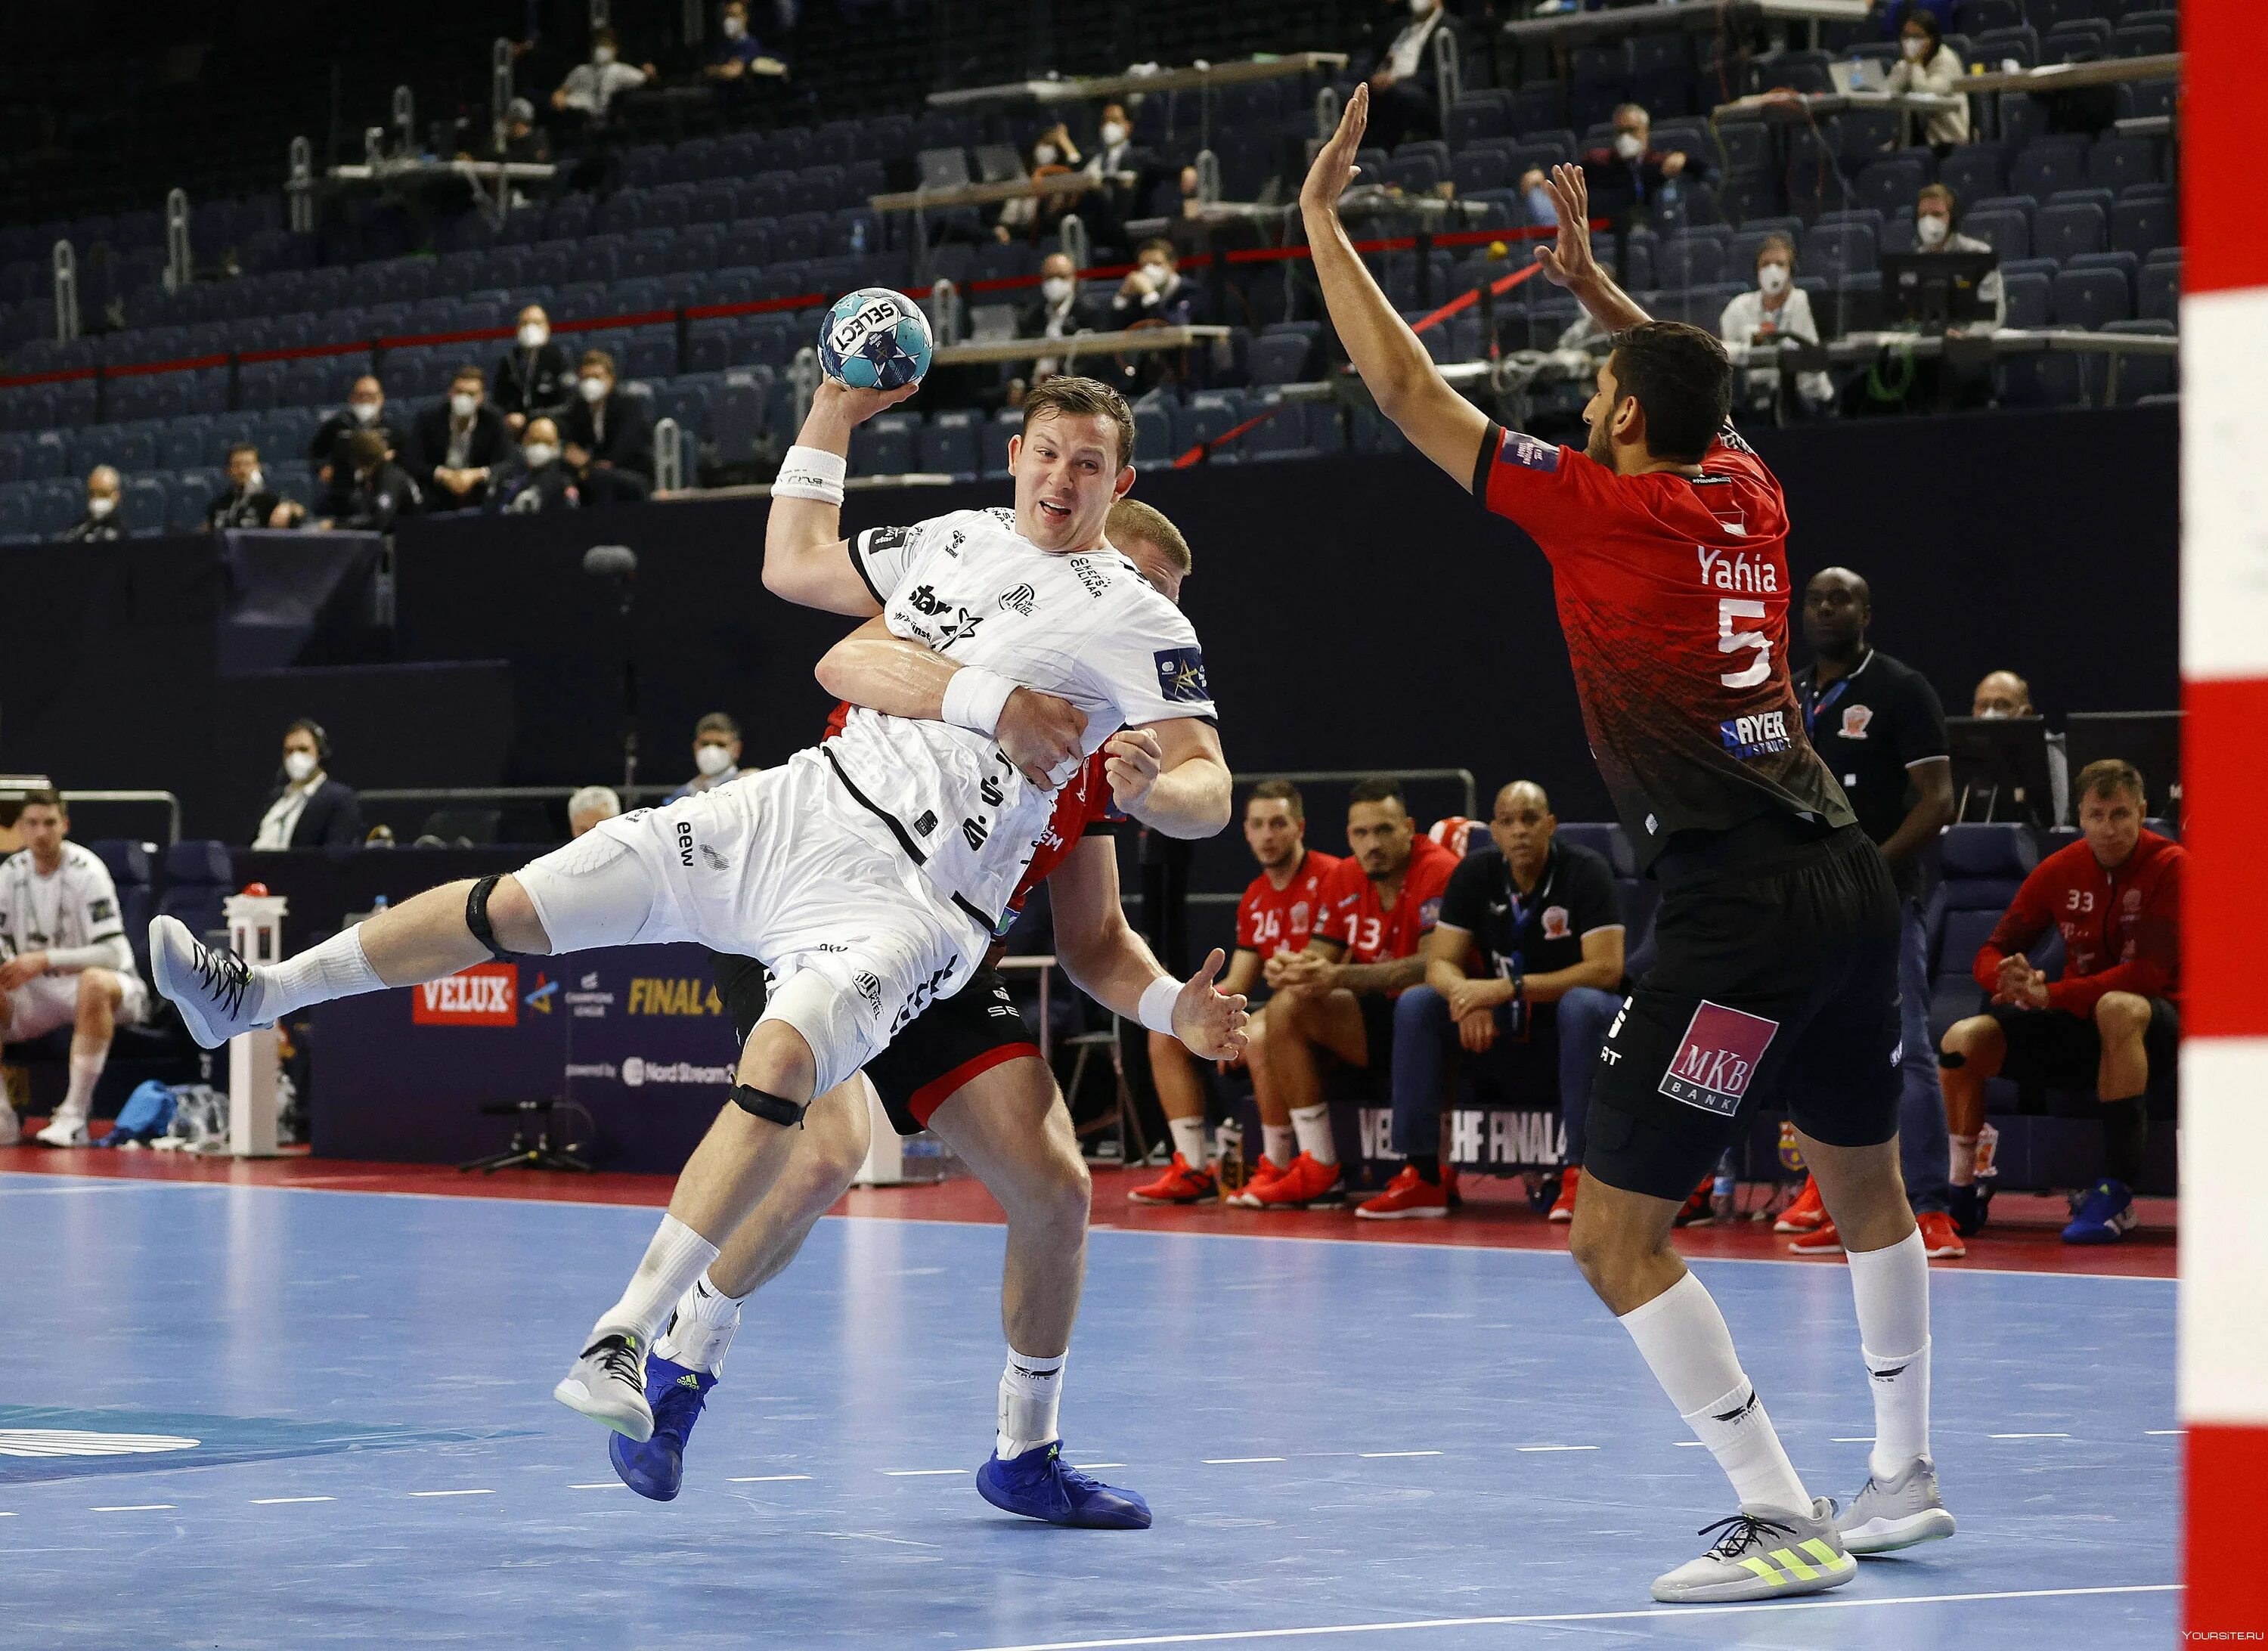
806, 558
1113, 964
1039, 732
1568, 262
1408, 386
1364, 979
1171, 776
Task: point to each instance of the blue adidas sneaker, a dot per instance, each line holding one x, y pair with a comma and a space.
1041, 1484
2104, 1215
656, 1468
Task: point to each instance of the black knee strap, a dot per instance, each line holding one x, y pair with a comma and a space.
767, 1105
477, 916
1952, 1059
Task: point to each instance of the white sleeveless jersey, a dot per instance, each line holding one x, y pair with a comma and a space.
1088, 628
76, 905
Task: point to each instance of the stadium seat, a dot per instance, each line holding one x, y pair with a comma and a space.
2077, 39
2142, 224
2141, 376
949, 444
16, 510
1836, 250
2007, 232
1479, 114
2092, 298
1890, 183
2040, 380
884, 444
2063, 231
2031, 299
1477, 169
1206, 416
2047, 165
144, 505
1279, 359
2146, 35
1689, 260
2158, 291
1994, 46
2116, 162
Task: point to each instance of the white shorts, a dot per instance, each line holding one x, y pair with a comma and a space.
784, 868
46, 1001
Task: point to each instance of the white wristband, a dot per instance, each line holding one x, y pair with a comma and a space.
811, 473
1157, 999
975, 697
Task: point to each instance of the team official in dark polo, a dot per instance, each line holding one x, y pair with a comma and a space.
1879, 729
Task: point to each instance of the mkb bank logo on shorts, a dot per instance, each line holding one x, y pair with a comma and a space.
636, 1073
1718, 1058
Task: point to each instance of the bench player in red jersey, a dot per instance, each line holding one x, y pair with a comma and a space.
967, 1068
1274, 919
1778, 935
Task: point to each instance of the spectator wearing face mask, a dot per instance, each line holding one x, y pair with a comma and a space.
378, 492
245, 501
610, 436
460, 443
1926, 64
1128, 172
1405, 99
716, 754
1935, 213
534, 378
590, 89
100, 524
538, 479
308, 809
1536, 198
1028, 218
739, 59
1631, 173
365, 409
1775, 308
2005, 694
1060, 311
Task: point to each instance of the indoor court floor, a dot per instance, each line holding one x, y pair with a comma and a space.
240, 1411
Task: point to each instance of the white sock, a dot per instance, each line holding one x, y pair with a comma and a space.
702, 1328
1312, 1125
1190, 1139
1685, 1342
336, 968
1963, 1169
1277, 1143
672, 1261
1891, 1288
1031, 1392
85, 1071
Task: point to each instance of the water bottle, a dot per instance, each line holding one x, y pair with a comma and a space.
859, 237
377, 905
1723, 1188
1988, 1140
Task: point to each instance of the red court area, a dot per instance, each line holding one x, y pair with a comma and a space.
2022, 1236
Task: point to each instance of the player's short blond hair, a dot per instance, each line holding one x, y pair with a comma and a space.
1131, 519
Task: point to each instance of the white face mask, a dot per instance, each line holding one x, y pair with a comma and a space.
1421, 8
735, 28
364, 412
539, 453
533, 334
297, 765
1628, 145
100, 505
251, 483
591, 388
602, 55
1114, 133
1991, 713
1914, 46
1055, 288
1046, 155
463, 405
711, 760
1932, 230
1772, 279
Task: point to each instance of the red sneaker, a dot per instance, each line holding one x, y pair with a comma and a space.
1304, 1184
1266, 1170
1822, 1239
1940, 1241
1406, 1196
1806, 1215
1180, 1184
1697, 1211
1563, 1207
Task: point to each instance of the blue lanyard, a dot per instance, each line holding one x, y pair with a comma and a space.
1815, 701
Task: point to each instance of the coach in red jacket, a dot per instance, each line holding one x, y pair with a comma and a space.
2115, 1015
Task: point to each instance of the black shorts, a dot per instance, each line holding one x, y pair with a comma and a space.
1377, 1029
1776, 979
2058, 1050
939, 1049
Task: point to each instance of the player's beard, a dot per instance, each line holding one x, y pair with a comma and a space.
1598, 445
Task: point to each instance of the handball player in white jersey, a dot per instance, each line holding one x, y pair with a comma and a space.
870, 875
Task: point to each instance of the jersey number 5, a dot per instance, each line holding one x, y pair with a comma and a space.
1731, 641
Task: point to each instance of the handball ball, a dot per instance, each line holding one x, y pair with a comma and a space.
874, 339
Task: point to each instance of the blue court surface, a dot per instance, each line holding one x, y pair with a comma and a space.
325, 1419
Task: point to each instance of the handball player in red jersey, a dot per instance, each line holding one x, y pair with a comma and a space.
1776, 979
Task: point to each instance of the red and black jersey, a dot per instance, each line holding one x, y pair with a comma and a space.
2121, 928
1269, 920
1353, 915
1673, 593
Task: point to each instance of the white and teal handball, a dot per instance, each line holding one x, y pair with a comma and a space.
874, 339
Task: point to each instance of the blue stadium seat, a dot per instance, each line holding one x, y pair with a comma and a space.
884, 444
1539, 106
2150, 34
2092, 298
1479, 114
2040, 380
2116, 162
1891, 183
1993, 47
2141, 225
2077, 39
2047, 165
708, 346
2141, 376
1836, 250
2045, 14
59, 503
193, 489
16, 510
144, 504
2007, 232
1744, 197
1688, 261
1008, 422
1477, 169
950, 445
2072, 227
2030, 298
1279, 359
2158, 292
1206, 416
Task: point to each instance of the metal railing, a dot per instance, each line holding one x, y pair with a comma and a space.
172, 804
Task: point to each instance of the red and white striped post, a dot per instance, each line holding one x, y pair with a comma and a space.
2224, 1194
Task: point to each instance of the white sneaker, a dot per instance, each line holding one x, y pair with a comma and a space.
607, 1384
1764, 1553
210, 987
1887, 1514
63, 1132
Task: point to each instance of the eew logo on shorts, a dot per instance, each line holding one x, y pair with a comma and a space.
1716, 1059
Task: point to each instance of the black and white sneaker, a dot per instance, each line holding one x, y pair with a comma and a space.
607, 1384
212, 988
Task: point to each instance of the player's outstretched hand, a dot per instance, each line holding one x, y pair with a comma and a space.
1041, 735
1132, 758
1334, 168
1210, 1023
856, 407
1568, 262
